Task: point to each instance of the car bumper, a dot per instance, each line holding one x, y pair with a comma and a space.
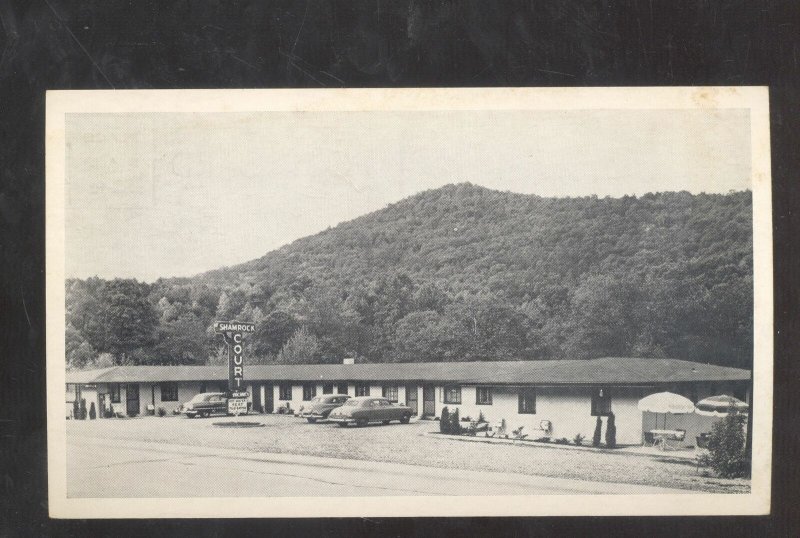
317, 416
342, 420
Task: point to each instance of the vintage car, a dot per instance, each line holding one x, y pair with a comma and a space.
320, 406
363, 410
204, 404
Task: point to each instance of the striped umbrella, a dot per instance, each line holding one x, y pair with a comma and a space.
720, 406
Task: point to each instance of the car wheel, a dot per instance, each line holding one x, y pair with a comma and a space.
385, 422
361, 422
405, 419
189, 416
311, 420
343, 424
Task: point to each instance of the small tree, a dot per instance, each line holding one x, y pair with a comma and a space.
76, 409
726, 447
83, 409
611, 432
92, 412
455, 423
598, 432
481, 418
444, 421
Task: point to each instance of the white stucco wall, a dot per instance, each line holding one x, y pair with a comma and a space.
567, 408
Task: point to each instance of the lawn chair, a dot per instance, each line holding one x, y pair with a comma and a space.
498, 430
518, 435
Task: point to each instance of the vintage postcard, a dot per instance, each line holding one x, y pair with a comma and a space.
409, 302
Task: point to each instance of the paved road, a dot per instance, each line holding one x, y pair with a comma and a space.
124, 468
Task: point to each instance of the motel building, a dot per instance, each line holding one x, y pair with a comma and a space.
558, 398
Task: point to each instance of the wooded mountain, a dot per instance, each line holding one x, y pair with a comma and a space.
458, 273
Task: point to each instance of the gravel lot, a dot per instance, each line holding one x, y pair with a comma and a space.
408, 444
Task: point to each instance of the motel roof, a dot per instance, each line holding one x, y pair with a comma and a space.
608, 370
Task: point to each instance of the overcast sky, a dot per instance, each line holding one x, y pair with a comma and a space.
152, 195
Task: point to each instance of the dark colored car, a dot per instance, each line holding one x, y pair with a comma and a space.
206, 403
363, 410
320, 406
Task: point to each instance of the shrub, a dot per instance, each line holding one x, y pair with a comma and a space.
444, 422
83, 409
109, 413
578, 439
76, 410
726, 450
562, 441
542, 440
466, 419
455, 425
611, 432
598, 431
92, 412
162, 412
481, 418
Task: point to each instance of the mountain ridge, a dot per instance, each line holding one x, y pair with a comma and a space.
464, 272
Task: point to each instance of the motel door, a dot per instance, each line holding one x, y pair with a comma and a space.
412, 398
269, 399
257, 399
429, 401
132, 399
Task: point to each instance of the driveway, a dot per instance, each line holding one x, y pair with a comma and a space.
404, 444
109, 468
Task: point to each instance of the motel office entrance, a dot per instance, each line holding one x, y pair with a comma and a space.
268, 405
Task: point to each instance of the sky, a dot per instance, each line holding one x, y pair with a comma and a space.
161, 195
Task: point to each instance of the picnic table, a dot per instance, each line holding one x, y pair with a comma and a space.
661, 438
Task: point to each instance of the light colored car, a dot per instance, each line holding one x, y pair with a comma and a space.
364, 410
320, 406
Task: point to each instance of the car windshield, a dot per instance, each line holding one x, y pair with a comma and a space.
201, 397
316, 399
351, 403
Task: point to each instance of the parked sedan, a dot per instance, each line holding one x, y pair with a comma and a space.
365, 409
321, 406
204, 404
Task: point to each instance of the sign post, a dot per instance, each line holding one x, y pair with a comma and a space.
232, 332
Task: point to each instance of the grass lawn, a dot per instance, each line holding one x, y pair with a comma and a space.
409, 444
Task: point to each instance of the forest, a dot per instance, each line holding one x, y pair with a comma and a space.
458, 273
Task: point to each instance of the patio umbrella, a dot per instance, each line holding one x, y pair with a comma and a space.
720, 406
667, 403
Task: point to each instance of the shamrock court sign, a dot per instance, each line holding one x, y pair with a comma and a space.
233, 332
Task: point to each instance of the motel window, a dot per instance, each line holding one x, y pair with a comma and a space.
390, 392
309, 391
601, 403
285, 391
169, 392
483, 395
113, 389
527, 402
362, 389
452, 395
342, 389
327, 388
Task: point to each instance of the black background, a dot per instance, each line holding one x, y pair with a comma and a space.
101, 44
